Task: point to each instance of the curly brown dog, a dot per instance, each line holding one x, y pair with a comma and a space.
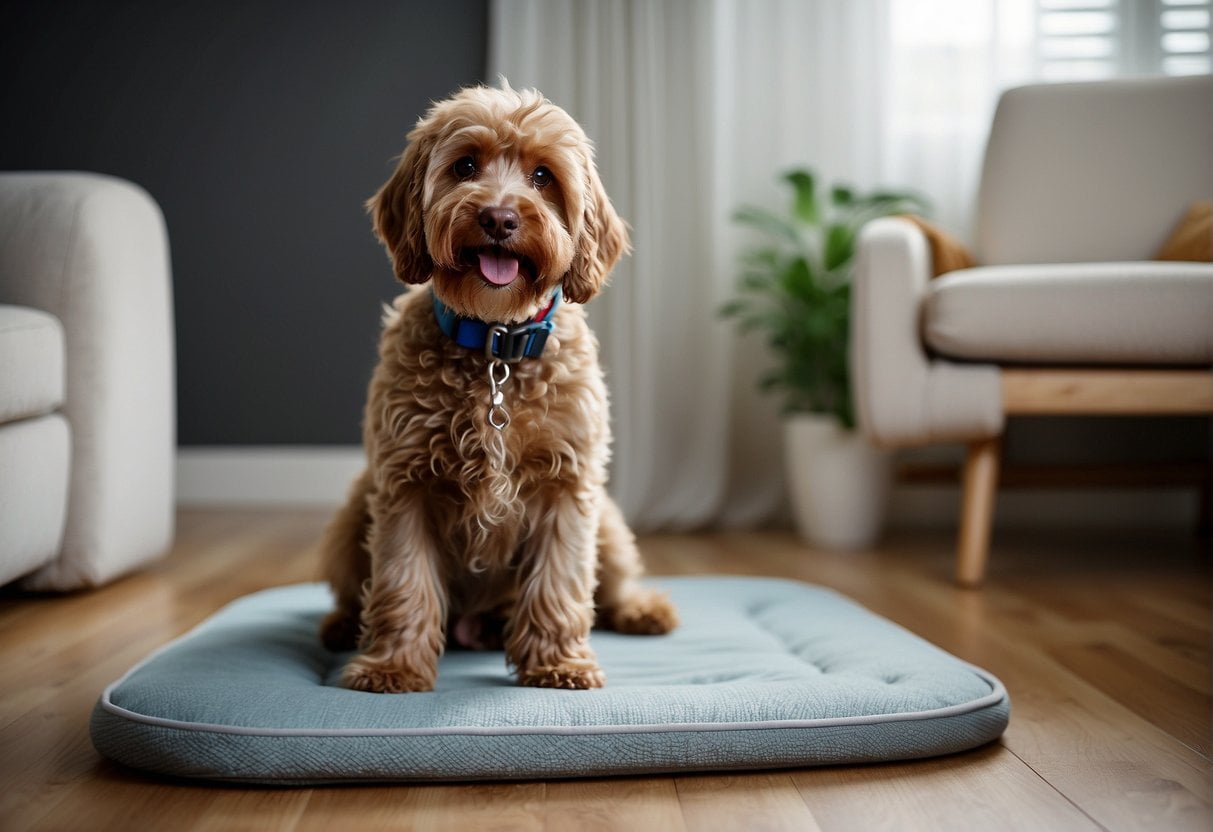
488, 527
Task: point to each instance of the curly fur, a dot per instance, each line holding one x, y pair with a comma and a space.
457, 531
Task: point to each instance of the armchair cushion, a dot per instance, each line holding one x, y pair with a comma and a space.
31, 363
1075, 313
35, 455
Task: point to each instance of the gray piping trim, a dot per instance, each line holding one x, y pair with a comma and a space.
997, 694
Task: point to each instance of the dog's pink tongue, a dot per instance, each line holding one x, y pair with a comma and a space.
498, 267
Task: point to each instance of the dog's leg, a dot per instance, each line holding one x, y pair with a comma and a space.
404, 610
547, 639
346, 566
623, 604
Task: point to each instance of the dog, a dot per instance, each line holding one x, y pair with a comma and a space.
482, 518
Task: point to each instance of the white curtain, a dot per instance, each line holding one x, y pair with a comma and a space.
696, 107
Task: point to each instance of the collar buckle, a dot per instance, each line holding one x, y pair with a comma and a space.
502, 343
512, 344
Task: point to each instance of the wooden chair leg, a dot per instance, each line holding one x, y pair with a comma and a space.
977, 510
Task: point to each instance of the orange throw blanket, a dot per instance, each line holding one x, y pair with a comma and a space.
1192, 239
947, 253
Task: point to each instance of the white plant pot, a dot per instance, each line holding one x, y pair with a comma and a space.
838, 482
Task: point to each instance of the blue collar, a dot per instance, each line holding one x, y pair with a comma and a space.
504, 342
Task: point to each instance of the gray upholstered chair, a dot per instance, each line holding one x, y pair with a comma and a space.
1067, 313
87, 410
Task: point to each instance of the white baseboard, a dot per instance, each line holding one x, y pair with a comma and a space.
266, 475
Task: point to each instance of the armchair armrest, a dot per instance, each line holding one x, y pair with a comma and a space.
903, 395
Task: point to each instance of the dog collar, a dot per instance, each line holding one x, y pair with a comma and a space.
505, 342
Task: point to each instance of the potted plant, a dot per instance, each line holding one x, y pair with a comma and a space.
796, 288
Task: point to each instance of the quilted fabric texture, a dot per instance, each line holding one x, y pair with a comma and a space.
762, 673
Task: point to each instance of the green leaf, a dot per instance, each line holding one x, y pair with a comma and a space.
760, 258
892, 196
770, 380
753, 283
758, 320
768, 223
818, 325
733, 308
840, 246
842, 196
805, 204
883, 203
797, 279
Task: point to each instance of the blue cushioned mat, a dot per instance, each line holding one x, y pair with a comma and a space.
762, 673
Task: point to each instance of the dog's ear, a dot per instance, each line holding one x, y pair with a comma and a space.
603, 240
396, 211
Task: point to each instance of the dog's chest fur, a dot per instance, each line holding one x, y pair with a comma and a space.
428, 436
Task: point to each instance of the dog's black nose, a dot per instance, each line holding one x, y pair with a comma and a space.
499, 222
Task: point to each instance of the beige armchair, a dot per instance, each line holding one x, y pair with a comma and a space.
1067, 312
87, 412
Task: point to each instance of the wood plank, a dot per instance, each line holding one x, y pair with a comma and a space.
758, 802
115, 799
71, 646
498, 807
1115, 765
1169, 661
622, 804
1061, 391
989, 789
1107, 761
369, 808
494, 807
1163, 642
1180, 710
241, 809
45, 754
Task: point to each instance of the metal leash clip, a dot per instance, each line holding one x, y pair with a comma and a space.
499, 374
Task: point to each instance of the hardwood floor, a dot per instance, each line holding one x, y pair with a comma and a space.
1103, 643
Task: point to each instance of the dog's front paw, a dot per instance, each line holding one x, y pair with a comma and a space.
645, 613
571, 674
372, 676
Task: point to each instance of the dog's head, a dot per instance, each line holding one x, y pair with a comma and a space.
497, 199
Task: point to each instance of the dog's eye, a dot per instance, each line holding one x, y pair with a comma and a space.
464, 168
541, 178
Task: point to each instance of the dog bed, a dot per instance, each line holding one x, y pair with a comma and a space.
762, 673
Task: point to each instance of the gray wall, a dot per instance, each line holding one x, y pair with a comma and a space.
261, 128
